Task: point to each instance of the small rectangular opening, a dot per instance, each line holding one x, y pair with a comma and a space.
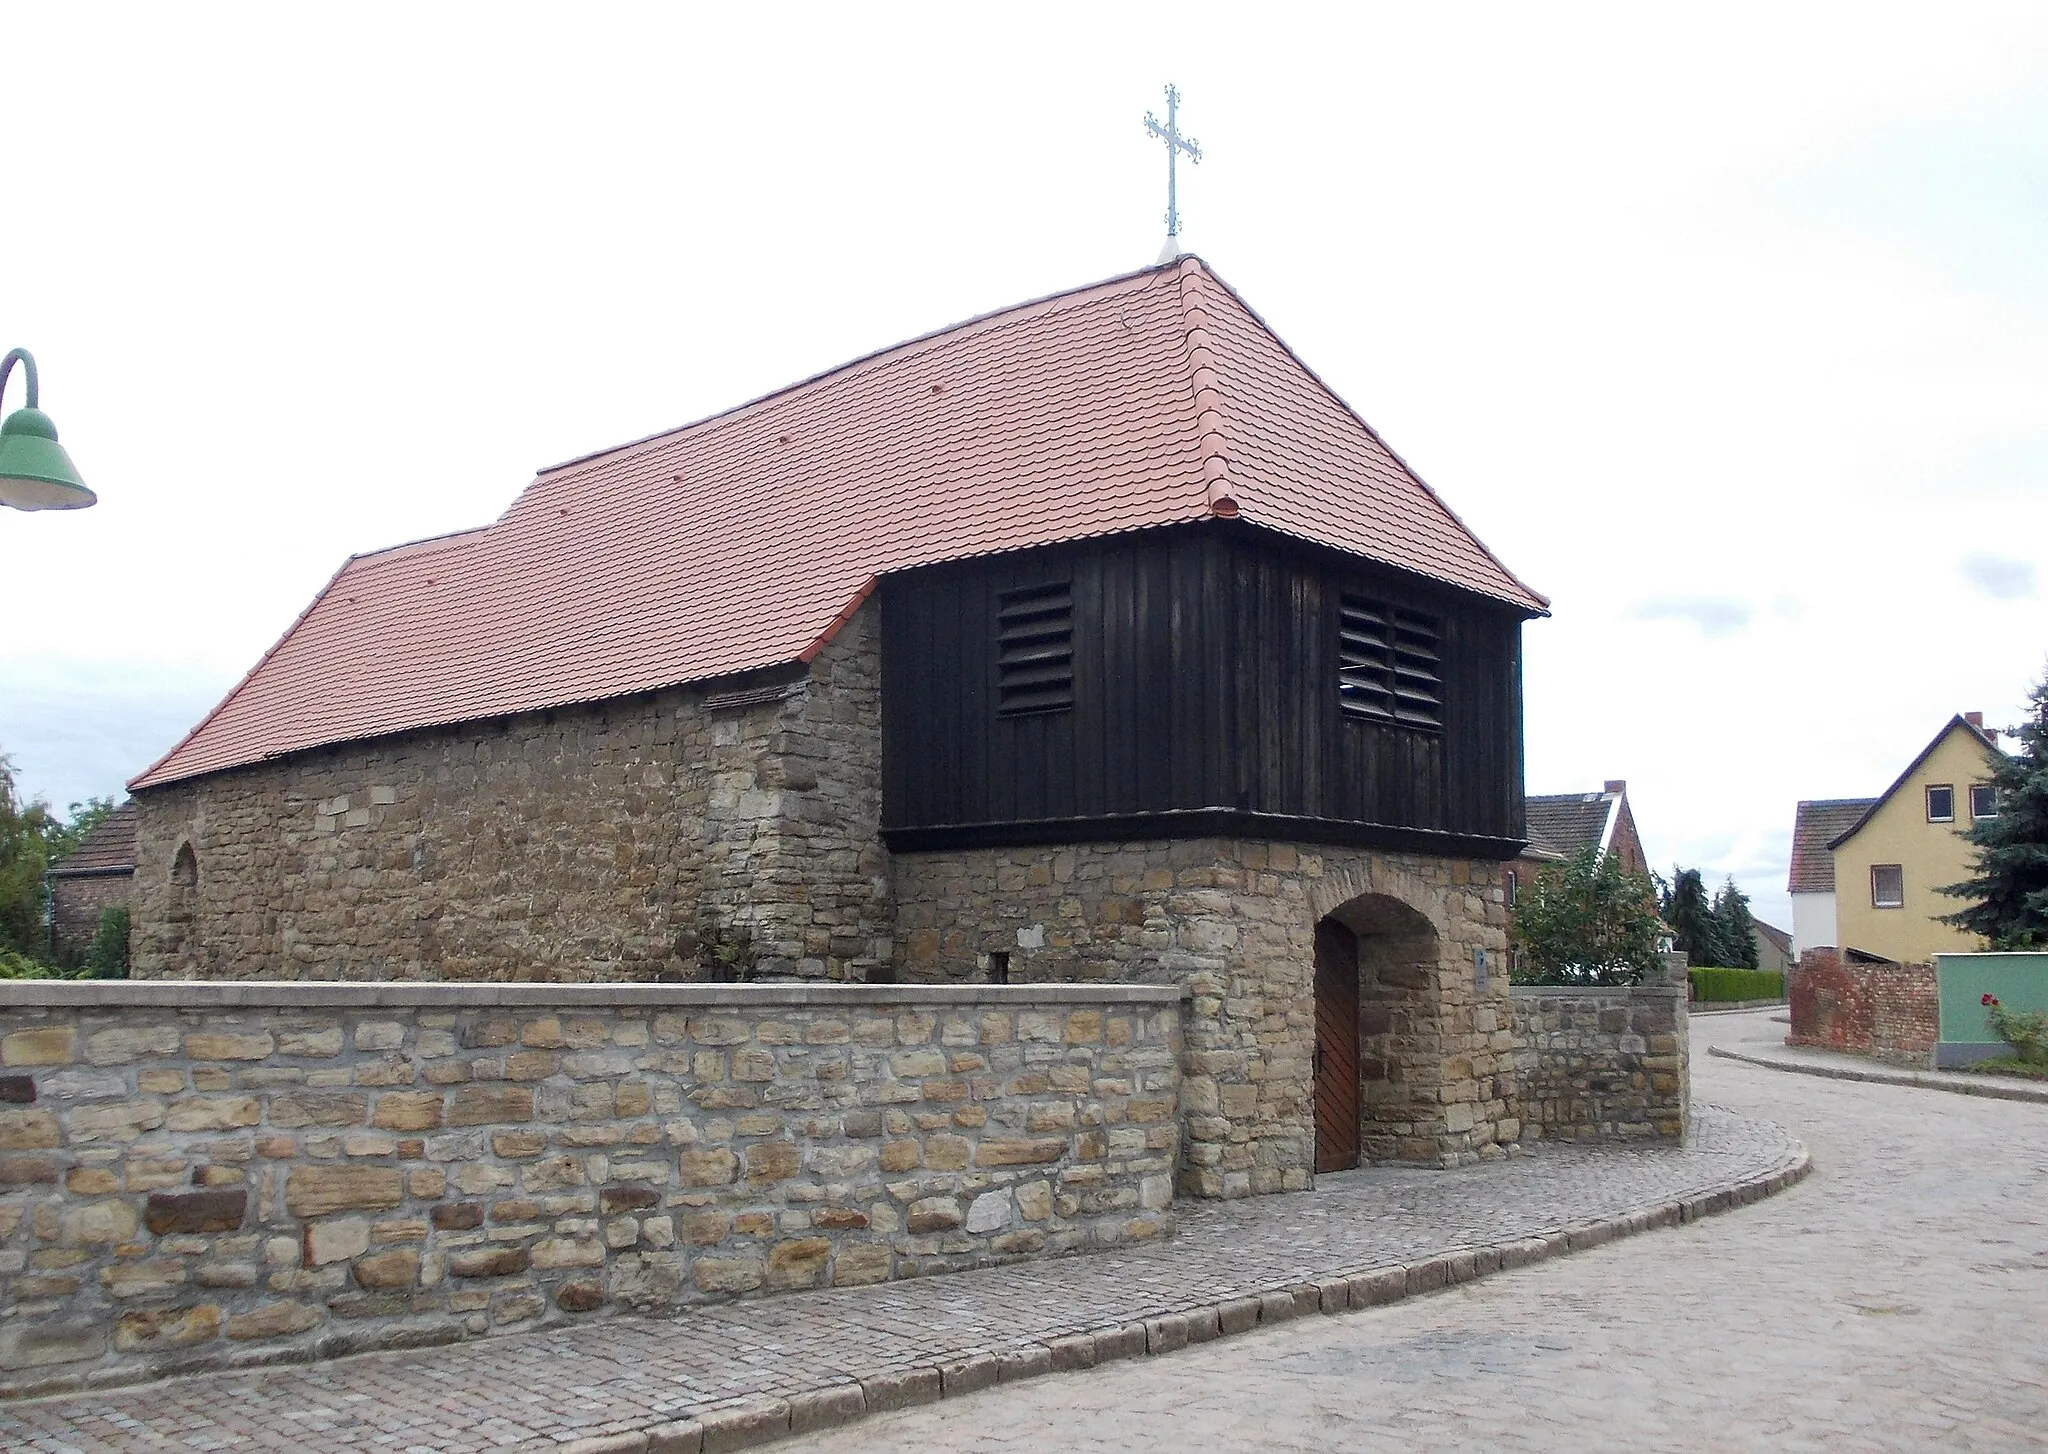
1035, 649
1941, 803
1887, 886
1389, 667
999, 967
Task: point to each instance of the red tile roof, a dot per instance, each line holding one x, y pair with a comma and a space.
746, 539
1815, 826
109, 848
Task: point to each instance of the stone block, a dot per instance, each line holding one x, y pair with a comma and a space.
18, 1171
29, 1130
742, 1426
407, 1111
458, 1216
399, 1267
17, 1090
122, 1044
933, 1214
47, 1045
293, 1110
335, 1240
861, 1264
43, 1344
272, 1320
1019, 1151
212, 1113
579, 1296
1075, 1351
1013, 1365
555, 1253
708, 1168
143, 1330
224, 1045
826, 1408
214, 1210
726, 1274
316, 1191
487, 1104
902, 1389
489, 1262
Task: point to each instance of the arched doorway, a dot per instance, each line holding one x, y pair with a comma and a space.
1376, 1043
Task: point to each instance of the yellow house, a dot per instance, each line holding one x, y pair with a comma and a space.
1891, 863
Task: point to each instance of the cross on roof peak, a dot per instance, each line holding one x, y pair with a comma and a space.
1176, 147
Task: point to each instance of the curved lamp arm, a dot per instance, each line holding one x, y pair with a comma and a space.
27, 361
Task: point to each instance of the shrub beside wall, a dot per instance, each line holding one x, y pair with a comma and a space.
1733, 986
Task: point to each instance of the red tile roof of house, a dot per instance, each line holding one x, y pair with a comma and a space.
745, 540
109, 848
1813, 828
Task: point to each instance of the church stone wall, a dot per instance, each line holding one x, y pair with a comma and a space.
1234, 923
677, 835
207, 1175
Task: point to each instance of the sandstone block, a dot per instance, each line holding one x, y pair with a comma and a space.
798, 1262
224, 1045
320, 1044
335, 1240
125, 1043
400, 1267
488, 1262
770, 1161
861, 1264
726, 1274
43, 1344
49, 1045
316, 1191
559, 1252
708, 1168
144, 1329
143, 1279
40, 1171
213, 1210
212, 1113
273, 1320
486, 1104
1018, 1152
934, 1214
295, 1109
458, 1216
407, 1111
989, 1213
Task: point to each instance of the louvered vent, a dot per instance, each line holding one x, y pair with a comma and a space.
1388, 669
1035, 649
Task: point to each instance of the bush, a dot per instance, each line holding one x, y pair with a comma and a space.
1731, 986
20, 966
2026, 1031
107, 956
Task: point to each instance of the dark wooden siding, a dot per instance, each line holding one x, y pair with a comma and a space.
1205, 662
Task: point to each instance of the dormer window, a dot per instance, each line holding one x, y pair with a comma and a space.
1388, 667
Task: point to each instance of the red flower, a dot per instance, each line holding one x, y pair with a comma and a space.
1988, 1000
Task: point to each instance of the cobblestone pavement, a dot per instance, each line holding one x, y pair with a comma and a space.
1891, 1301
532, 1390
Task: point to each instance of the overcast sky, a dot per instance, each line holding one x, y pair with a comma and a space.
1723, 326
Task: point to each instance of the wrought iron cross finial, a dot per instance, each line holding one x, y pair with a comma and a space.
1176, 146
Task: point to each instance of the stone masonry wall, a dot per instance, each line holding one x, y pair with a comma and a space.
1606, 1064
1891, 1012
76, 903
205, 1175
672, 835
1234, 922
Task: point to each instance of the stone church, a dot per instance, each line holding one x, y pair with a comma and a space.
1095, 638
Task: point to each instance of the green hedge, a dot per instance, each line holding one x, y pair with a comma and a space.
1729, 986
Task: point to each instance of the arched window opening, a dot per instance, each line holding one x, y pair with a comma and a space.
185, 867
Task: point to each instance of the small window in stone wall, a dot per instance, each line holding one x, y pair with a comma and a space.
185, 867
1035, 649
1388, 666
1887, 886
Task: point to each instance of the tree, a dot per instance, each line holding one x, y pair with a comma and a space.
1691, 917
63, 838
1586, 922
1734, 927
24, 854
2009, 891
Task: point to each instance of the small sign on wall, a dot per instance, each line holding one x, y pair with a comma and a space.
1479, 969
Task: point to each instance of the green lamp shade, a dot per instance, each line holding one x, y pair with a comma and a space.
35, 472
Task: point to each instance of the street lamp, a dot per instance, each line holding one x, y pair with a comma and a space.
35, 472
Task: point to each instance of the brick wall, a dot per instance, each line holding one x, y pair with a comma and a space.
1891, 1012
1234, 922
607, 841
192, 1175
1605, 1064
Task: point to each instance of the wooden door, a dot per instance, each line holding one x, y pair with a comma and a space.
1336, 1078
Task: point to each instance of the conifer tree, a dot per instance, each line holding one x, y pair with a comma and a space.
1735, 928
1691, 917
2009, 891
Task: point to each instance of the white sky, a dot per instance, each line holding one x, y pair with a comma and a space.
1723, 327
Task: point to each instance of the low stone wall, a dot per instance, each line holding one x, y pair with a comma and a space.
1605, 1064
199, 1175
1891, 1012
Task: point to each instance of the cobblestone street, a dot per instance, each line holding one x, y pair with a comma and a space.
1890, 1301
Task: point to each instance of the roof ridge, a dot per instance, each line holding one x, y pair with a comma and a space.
1212, 443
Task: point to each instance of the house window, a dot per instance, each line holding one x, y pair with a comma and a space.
1887, 886
1941, 803
1388, 668
1035, 649
1514, 887
1983, 800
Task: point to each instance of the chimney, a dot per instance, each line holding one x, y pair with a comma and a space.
1616, 785
1975, 719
